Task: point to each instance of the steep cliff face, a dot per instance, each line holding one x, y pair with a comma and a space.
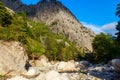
59, 19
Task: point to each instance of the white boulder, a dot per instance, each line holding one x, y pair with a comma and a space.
66, 66
41, 62
13, 58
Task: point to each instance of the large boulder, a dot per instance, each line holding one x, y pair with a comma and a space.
65, 66
41, 62
13, 58
116, 65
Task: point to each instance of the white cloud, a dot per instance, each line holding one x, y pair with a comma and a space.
93, 27
107, 28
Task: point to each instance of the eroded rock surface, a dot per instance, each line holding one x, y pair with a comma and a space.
12, 58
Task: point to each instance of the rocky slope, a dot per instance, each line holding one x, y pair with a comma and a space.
59, 18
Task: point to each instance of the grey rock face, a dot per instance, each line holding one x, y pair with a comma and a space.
12, 58
59, 18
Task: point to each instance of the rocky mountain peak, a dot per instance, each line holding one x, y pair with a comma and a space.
59, 18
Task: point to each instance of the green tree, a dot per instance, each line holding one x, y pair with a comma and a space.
103, 48
118, 25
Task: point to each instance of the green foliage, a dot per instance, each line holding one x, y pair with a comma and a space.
5, 17
105, 48
51, 47
35, 47
6, 20
69, 53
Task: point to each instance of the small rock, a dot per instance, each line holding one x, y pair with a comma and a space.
18, 78
84, 64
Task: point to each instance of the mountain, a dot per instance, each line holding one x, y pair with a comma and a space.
59, 18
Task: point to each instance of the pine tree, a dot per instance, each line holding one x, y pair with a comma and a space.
118, 25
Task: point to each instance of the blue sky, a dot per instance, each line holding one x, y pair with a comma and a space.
99, 15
